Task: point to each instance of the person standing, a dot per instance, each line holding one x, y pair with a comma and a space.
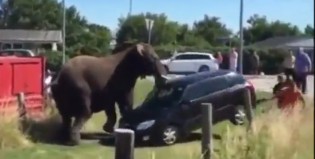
255, 63
233, 59
218, 59
303, 66
288, 66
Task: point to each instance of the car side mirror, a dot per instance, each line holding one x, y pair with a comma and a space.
172, 59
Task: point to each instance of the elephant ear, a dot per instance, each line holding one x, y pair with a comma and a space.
140, 49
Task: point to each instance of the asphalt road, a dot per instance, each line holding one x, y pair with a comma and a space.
265, 83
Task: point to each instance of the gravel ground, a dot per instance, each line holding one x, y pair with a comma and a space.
266, 83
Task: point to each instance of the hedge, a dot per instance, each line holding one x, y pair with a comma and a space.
270, 59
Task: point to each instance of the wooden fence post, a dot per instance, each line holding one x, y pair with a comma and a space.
124, 144
206, 141
21, 105
248, 108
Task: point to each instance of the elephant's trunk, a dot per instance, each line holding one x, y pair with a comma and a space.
160, 74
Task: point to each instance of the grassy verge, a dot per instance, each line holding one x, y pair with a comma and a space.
276, 136
234, 144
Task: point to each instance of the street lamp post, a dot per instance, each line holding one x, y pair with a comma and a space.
130, 8
149, 25
241, 37
64, 32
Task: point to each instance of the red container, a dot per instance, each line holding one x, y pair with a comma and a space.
22, 74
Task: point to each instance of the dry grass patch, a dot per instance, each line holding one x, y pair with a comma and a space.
276, 135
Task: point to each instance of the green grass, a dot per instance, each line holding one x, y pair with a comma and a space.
91, 149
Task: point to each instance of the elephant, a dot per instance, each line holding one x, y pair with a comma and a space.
86, 85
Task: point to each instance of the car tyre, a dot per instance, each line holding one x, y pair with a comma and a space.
239, 116
169, 135
204, 68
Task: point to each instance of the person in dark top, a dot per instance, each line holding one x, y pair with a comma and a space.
278, 86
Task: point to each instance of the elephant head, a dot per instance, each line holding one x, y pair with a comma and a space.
144, 58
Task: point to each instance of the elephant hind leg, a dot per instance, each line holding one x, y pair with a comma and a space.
82, 114
64, 134
66, 122
77, 126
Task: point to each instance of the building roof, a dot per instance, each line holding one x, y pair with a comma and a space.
307, 43
284, 42
33, 36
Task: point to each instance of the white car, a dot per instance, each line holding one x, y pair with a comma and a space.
190, 62
17, 52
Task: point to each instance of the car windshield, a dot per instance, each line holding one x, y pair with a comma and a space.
161, 97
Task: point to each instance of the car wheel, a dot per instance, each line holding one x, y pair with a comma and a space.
204, 68
239, 116
170, 135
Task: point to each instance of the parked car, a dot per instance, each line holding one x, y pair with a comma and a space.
17, 52
190, 62
172, 112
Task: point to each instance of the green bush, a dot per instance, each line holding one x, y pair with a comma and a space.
270, 59
54, 60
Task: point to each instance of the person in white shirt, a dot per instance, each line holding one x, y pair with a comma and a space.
233, 56
288, 65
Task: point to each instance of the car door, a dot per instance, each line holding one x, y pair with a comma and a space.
199, 60
181, 64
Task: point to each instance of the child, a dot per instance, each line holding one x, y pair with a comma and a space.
287, 94
277, 87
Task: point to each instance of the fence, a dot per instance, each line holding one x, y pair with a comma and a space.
125, 138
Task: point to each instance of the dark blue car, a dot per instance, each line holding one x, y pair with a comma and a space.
172, 112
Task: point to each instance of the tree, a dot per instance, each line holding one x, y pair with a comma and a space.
261, 29
47, 15
211, 29
133, 28
309, 30
187, 37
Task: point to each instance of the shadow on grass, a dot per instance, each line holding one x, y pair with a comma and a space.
43, 131
109, 140
47, 131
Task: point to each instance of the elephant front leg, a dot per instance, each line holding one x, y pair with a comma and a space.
125, 102
110, 111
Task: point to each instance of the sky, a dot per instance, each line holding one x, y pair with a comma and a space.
106, 12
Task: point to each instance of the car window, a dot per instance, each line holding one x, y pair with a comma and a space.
192, 57
5, 53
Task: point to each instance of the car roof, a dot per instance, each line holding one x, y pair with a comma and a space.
192, 78
198, 92
24, 51
195, 53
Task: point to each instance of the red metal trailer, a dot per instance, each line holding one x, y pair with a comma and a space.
22, 74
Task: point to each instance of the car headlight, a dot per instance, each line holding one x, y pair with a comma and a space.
145, 125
